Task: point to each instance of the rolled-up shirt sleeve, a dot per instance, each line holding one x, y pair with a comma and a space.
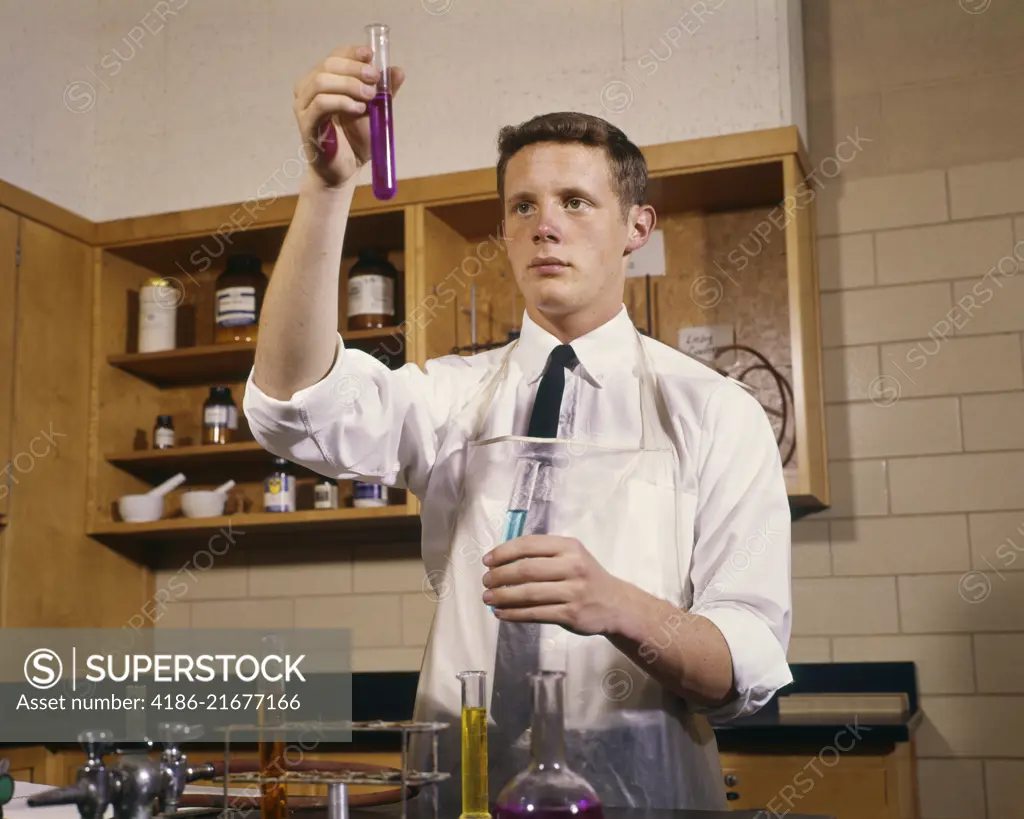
362, 420
742, 540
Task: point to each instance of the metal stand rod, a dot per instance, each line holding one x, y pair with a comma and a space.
337, 800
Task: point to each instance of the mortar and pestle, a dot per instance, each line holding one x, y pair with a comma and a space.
150, 506
205, 503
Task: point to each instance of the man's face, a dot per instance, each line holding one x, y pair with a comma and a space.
564, 228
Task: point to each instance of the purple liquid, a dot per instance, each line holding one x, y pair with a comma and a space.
585, 811
382, 147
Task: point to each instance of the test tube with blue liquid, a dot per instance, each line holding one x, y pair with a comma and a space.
382, 122
527, 470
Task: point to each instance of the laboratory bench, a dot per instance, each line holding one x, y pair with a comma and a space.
854, 767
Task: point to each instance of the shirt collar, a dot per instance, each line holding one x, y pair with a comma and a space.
604, 350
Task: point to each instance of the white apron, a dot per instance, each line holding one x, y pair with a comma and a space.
637, 745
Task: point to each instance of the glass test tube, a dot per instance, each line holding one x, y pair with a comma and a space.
382, 123
527, 470
271, 744
474, 745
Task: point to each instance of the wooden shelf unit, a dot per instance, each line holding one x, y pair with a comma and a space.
713, 198
156, 465
189, 366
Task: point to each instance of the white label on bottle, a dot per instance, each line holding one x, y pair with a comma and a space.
232, 417
217, 415
279, 493
163, 437
157, 312
369, 494
236, 305
371, 294
325, 496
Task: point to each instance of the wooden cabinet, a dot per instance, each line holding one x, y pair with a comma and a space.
9, 224
55, 575
36, 764
877, 783
739, 251
738, 231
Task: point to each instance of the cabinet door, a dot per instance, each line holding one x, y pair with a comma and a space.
8, 296
27, 764
56, 576
846, 787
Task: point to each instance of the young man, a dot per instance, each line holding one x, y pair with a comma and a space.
655, 568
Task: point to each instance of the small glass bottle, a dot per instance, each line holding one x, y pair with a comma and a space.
372, 283
163, 432
325, 494
279, 488
220, 416
547, 788
239, 299
365, 495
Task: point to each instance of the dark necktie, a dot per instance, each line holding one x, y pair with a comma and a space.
548, 403
518, 649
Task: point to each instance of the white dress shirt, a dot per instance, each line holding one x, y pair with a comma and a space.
395, 427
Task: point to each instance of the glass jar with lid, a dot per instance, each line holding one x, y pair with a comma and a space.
159, 298
239, 299
220, 416
372, 285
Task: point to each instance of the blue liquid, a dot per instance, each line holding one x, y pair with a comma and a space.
515, 521
514, 524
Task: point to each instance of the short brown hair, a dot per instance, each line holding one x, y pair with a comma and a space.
627, 163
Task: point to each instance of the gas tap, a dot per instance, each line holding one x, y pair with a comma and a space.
91, 791
175, 772
136, 784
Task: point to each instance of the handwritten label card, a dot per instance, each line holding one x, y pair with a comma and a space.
701, 343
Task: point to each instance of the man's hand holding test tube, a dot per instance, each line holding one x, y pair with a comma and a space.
538, 577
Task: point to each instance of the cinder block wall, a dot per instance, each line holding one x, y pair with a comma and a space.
922, 265
923, 315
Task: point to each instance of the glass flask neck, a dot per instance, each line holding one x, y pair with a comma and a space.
547, 743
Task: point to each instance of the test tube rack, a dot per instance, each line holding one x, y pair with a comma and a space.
404, 777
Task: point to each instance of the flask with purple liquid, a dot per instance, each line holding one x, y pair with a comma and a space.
547, 789
382, 123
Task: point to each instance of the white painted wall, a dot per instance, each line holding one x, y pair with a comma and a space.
188, 102
44, 148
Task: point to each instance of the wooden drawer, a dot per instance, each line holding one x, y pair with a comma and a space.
28, 764
847, 787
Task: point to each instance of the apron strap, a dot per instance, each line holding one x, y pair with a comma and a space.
652, 436
484, 401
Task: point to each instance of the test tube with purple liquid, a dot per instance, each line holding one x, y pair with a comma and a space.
382, 123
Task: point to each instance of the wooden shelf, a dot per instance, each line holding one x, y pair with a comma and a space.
213, 362
321, 527
201, 463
